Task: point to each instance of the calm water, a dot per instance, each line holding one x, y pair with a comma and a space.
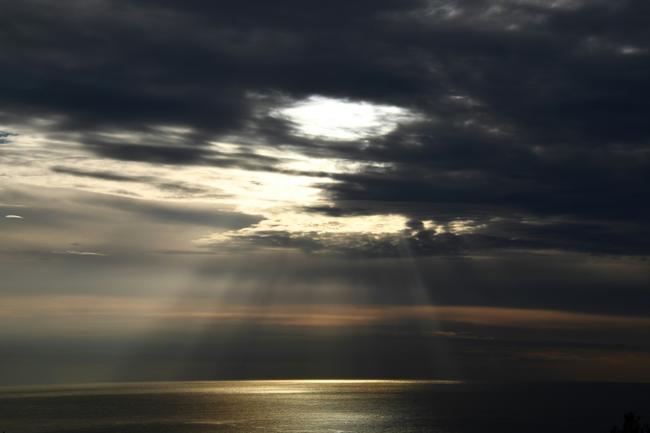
315, 406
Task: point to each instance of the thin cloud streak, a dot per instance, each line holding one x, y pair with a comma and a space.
92, 307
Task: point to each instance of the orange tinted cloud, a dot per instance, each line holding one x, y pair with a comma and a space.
134, 309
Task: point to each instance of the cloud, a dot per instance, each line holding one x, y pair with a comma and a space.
4, 136
172, 188
343, 316
101, 174
195, 215
443, 238
526, 110
505, 153
79, 253
73, 224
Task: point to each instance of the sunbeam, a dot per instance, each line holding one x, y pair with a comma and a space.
388, 215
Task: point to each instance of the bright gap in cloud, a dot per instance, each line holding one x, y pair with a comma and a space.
342, 119
315, 225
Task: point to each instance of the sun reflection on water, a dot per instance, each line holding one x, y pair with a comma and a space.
312, 405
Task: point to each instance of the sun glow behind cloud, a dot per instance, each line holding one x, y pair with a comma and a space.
333, 231
343, 120
277, 192
285, 182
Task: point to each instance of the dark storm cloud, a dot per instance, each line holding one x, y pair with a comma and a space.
533, 112
124, 65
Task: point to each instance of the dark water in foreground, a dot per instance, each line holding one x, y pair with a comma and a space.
320, 406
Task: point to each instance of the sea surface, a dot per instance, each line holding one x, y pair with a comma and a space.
321, 406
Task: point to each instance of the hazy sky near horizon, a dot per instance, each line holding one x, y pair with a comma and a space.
386, 188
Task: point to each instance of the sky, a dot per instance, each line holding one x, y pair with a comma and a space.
299, 189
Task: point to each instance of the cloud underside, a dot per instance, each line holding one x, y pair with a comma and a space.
531, 117
506, 238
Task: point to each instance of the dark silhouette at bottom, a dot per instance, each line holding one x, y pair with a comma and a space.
631, 424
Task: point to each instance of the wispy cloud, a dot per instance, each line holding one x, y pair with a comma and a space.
79, 253
306, 315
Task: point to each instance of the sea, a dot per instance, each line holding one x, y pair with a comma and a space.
321, 406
